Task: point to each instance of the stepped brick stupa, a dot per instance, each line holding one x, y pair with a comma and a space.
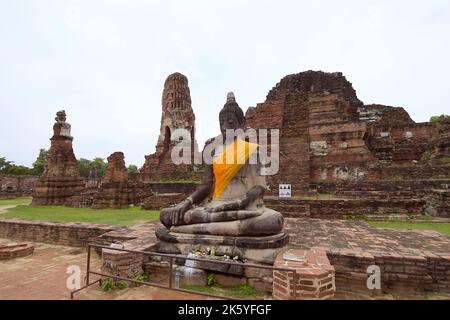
177, 113
61, 179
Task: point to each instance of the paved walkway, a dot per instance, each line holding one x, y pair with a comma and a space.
42, 276
358, 236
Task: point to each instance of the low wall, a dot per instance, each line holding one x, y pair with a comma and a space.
161, 201
68, 234
344, 208
167, 194
17, 186
399, 274
170, 187
417, 188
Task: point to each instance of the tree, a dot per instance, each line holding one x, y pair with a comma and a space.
132, 168
99, 164
20, 170
8, 167
39, 164
5, 165
87, 165
440, 118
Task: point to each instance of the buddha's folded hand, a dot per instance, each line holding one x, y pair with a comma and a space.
234, 205
173, 216
200, 216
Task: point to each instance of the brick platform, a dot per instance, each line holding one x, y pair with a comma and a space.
409, 260
11, 251
314, 276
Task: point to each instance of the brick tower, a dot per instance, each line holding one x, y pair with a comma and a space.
61, 178
177, 113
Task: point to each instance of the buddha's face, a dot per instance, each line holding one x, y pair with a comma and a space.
229, 120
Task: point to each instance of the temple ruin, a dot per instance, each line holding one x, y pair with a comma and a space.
177, 113
341, 157
116, 191
374, 156
61, 179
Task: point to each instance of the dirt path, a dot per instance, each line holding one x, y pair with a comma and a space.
4, 208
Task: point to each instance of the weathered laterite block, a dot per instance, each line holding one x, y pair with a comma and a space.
11, 251
314, 275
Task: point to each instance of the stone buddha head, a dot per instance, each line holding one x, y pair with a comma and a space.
231, 116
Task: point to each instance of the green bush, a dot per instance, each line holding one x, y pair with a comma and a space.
107, 284
442, 117
212, 281
120, 285
141, 277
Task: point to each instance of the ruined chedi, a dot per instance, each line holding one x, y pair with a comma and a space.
116, 191
177, 113
61, 179
114, 188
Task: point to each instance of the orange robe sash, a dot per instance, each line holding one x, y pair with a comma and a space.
228, 163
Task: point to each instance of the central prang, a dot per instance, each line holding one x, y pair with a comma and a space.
226, 211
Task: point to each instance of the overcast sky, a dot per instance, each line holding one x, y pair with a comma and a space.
105, 62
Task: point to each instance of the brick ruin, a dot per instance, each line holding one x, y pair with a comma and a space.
330, 142
61, 179
116, 191
177, 113
367, 159
17, 186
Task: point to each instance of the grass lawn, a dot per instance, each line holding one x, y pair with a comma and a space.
440, 227
15, 201
129, 216
242, 291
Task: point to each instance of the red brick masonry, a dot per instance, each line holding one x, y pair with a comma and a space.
314, 280
11, 251
69, 234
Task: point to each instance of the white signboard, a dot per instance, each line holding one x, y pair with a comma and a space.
284, 190
117, 245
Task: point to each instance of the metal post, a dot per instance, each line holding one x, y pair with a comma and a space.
294, 288
295, 276
88, 264
170, 272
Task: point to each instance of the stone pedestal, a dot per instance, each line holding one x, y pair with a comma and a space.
247, 250
256, 249
314, 276
196, 273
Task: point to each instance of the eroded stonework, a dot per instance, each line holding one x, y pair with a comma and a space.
177, 113
116, 191
61, 179
331, 142
12, 186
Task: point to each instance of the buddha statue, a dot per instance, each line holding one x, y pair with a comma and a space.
227, 210
61, 127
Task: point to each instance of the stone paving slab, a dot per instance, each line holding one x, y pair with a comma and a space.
42, 276
358, 236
